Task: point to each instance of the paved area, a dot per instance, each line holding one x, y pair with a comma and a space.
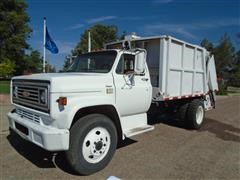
168, 152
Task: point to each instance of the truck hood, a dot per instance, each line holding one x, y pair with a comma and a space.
73, 82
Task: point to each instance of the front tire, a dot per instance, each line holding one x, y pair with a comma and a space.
195, 114
93, 141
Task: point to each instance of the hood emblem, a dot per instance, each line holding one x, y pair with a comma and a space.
26, 94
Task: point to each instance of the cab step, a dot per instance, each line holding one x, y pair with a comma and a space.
138, 130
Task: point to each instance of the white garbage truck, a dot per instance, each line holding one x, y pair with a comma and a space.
104, 97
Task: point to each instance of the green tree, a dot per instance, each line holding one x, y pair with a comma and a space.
100, 34
6, 68
224, 56
50, 68
207, 44
33, 62
14, 31
227, 61
234, 77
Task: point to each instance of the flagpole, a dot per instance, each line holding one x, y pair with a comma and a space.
44, 42
89, 41
89, 47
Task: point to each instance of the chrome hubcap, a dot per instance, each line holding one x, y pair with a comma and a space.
199, 115
96, 145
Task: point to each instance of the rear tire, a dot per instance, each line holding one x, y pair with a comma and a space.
195, 114
182, 111
93, 141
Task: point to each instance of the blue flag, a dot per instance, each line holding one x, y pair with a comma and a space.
50, 44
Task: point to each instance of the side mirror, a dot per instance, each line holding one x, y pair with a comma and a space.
140, 59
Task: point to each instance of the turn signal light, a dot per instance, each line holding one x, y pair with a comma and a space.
62, 101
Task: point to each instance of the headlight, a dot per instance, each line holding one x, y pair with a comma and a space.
15, 91
43, 97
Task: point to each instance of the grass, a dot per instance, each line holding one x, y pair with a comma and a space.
233, 91
4, 87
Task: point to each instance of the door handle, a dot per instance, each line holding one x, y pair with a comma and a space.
144, 79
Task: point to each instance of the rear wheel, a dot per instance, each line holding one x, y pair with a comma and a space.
195, 114
182, 111
93, 140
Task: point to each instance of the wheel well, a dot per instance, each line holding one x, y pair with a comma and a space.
174, 105
107, 110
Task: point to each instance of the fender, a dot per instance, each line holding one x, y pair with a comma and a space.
65, 114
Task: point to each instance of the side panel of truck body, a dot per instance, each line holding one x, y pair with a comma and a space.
182, 70
177, 68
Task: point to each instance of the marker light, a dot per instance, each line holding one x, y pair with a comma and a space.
62, 101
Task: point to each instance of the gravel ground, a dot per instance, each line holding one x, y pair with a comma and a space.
168, 152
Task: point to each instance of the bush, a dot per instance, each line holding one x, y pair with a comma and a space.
222, 87
6, 68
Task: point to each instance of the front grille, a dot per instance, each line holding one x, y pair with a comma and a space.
28, 115
32, 95
28, 93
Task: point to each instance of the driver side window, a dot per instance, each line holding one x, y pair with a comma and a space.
126, 64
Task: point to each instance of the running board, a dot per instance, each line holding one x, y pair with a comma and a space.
138, 130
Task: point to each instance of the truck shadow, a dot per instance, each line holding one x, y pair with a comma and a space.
31, 152
45, 159
223, 131
168, 119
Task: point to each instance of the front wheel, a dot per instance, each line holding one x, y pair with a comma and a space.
93, 141
195, 114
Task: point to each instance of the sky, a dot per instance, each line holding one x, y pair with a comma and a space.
188, 20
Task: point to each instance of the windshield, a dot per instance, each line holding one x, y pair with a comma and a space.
94, 62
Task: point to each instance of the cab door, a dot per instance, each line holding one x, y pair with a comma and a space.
133, 92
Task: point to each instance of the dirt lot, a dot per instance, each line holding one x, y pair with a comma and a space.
168, 152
